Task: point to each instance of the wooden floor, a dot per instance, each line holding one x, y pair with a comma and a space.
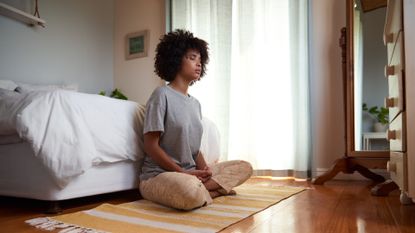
337, 206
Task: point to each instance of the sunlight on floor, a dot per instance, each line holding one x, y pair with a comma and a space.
280, 178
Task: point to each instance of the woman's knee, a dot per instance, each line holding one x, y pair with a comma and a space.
247, 168
243, 167
177, 190
189, 193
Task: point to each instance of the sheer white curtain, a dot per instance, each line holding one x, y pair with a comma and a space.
256, 89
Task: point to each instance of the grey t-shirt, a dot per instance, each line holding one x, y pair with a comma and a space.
179, 119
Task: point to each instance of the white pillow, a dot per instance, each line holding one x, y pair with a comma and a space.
25, 87
7, 100
4, 92
210, 144
8, 85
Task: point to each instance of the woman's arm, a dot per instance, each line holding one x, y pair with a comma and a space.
153, 149
200, 162
201, 165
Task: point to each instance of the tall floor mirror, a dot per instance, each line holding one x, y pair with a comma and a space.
364, 57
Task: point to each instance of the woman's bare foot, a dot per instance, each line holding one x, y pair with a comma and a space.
217, 193
214, 194
232, 192
223, 192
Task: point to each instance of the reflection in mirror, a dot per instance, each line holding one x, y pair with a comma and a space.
370, 84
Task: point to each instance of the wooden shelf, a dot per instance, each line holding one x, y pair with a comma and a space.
19, 15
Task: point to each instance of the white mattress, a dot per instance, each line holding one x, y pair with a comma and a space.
22, 175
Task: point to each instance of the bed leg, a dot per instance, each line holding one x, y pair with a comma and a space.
53, 207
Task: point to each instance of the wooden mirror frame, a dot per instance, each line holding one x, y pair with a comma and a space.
352, 160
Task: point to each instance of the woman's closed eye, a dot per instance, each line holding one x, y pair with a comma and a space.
192, 57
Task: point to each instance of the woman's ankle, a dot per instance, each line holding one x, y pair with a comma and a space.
214, 194
217, 193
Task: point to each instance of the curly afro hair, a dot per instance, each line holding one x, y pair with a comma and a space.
171, 50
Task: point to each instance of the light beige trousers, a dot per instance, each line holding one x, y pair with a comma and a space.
186, 192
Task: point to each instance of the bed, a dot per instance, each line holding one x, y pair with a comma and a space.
58, 144
22, 175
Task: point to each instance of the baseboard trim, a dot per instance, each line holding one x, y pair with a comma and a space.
354, 176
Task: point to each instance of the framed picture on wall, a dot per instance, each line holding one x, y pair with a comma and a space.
136, 44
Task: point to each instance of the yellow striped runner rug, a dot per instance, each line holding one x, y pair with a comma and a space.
146, 216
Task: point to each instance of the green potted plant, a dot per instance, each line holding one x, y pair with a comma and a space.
380, 114
116, 93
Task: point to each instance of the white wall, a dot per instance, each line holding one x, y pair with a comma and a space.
75, 47
327, 115
136, 77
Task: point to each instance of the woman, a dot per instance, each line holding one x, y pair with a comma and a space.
174, 172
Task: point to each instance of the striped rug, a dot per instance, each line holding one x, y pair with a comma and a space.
146, 216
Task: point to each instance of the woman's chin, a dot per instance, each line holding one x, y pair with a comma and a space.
196, 78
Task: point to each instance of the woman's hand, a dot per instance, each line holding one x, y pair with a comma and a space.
203, 175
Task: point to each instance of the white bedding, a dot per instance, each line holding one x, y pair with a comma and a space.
70, 132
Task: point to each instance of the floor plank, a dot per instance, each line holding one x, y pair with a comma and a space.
337, 206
